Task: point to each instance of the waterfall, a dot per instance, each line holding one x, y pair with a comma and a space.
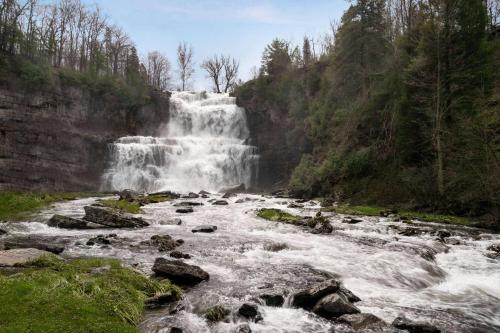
204, 147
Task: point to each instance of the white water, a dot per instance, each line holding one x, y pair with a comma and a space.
458, 291
202, 148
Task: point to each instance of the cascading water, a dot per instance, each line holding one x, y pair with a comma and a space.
203, 148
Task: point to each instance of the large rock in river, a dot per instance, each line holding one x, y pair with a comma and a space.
20, 257
110, 218
179, 272
65, 222
306, 299
333, 306
403, 323
34, 243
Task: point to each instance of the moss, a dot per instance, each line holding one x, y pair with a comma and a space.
156, 198
122, 205
58, 296
278, 215
19, 205
216, 313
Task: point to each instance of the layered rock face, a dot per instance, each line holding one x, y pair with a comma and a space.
58, 140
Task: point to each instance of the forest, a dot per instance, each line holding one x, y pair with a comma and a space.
397, 105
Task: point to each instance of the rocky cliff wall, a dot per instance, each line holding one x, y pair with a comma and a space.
58, 141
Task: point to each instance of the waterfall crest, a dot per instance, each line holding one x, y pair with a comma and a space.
204, 147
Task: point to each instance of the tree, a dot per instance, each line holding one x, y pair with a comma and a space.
214, 67
185, 64
158, 69
306, 52
231, 67
276, 58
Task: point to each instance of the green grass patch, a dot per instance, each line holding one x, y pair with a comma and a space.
122, 205
405, 215
59, 296
273, 214
16, 206
156, 198
216, 313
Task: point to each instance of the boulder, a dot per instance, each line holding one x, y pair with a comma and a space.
363, 321
323, 228
163, 242
191, 195
239, 201
205, 228
129, 195
169, 194
352, 220
403, 323
306, 299
160, 300
2, 232
110, 218
175, 330
228, 195
216, 313
243, 328
250, 311
20, 257
334, 306
180, 255
179, 272
33, 243
295, 205
188, 203
348, 294
273, 299
275, 247
65, 222
185, 210
174, 221
99, 240
220, 202
203, 192
443, 234
494, 248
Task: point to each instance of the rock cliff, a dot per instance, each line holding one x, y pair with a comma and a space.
58, 140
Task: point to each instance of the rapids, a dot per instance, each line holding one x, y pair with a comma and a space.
455, 287
204, 146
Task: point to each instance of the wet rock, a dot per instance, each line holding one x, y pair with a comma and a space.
191, 195
412, 232
176, 330
99, 240
494, 248
188, 203
111, 218
204, 228
273, 299
228, 195
32, 242
129, 195
239, 201
2, 232
403, 323
250, 311
443, 234
202, 192
220, 202
179, 242
65, 222
184, 210
179, 272
160, 301
306, 299
243, 328
20, 257
333, 306
323, 227
216, 313
363, 321
163, 242
453, 241
295, 205
175, 221
275, 247
351, 297
180, 255
351, 220
169, 194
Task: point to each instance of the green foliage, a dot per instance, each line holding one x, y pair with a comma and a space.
18, 205
216, 313
122, 205
35, 75
57, 296
277, 215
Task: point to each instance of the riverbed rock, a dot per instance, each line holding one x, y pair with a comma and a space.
179, 272
250, 311
160, 301
20, 257
351, 297
191, 195
169, 194
243, 328
185, 210
99, 240
295, 205
220, 203
32, 242
110, 218
174, 221
163, 242
203, 192
65, 222
188, 203
129, 195
204, 228
363, 321
352, 220
273, 299
306, 299
180, 255
494, 248
403, 323
3, 232
323, 227
216, 313
275, 247
228, 195
334, 306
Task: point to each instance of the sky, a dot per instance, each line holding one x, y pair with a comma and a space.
239, 28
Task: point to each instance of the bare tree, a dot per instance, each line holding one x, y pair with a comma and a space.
158, 70
231, 67
214, 67
185, 64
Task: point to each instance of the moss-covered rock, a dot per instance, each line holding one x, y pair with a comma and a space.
216, 313
277, 215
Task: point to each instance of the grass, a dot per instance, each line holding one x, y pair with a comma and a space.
16, 206
216, 313
278, 215
156, 198
404, 215
58, 296
122, 205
